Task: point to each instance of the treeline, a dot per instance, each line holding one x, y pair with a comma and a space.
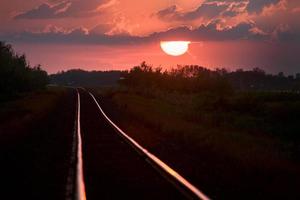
185, 79
194, 78
16, 75
78, 77
258, 79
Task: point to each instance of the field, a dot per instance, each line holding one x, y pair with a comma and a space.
27, 108
35, 147
244, 145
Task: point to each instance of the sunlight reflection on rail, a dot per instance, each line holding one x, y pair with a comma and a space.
80, 187
155, 159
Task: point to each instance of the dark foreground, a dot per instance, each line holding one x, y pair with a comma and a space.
36, 157
206, 145
35, 153
36, 150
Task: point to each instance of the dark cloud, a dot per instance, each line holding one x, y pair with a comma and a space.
81, 35
168, 12
43, 11
256, 6
230, 13
205, 10
210, 33
101, 28
235, 8
253, 6
75, 36
210, 9
68, 8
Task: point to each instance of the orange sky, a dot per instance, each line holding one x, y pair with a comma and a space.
62, 34
231, 55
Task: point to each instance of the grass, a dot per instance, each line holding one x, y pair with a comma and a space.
36, 132
28, 108
244, 136
208, 127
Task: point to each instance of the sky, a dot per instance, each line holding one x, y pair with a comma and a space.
119, 34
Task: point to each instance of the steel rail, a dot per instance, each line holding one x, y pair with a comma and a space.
154, 159
80, 186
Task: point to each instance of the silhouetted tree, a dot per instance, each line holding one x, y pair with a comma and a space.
194, 78
16, 75
185, 79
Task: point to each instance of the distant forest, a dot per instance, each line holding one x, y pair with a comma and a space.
78, 77
188, 78
194, 78
16, 75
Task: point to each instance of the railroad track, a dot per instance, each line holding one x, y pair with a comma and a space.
104, 152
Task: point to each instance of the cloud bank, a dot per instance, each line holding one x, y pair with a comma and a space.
210, 32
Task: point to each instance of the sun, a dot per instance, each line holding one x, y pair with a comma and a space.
175, 48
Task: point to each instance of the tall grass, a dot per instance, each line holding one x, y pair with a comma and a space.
247, 126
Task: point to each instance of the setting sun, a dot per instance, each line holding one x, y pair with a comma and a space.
175, 48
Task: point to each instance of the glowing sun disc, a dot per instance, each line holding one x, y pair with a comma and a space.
175, 48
